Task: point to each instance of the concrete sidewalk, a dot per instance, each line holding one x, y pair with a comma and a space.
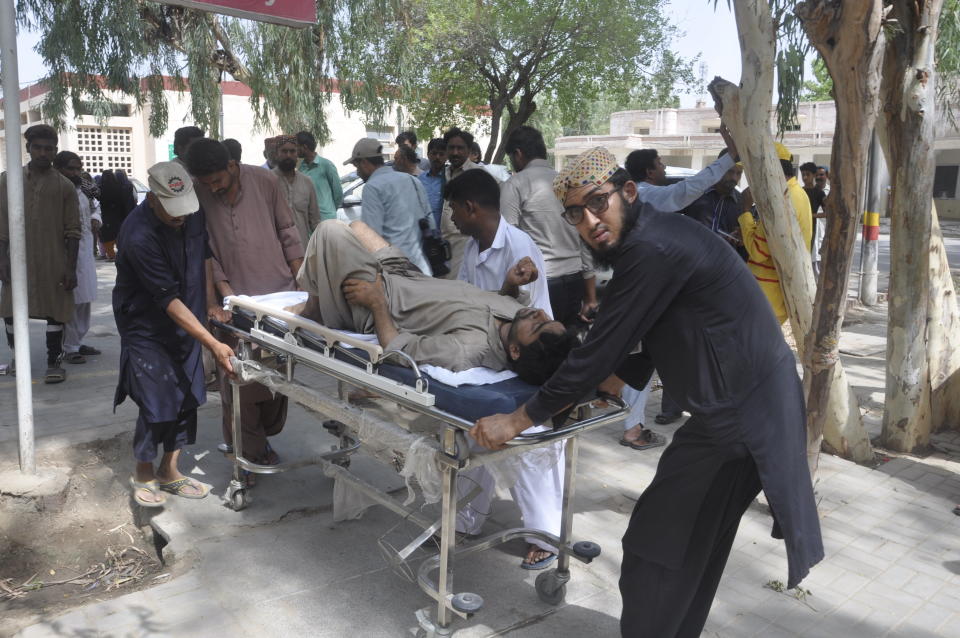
283, 567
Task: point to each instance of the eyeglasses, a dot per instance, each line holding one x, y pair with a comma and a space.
597, 204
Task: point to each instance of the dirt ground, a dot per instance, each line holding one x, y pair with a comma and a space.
89, 534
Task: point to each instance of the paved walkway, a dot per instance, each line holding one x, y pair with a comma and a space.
283, 567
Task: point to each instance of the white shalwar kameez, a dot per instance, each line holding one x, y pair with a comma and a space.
86, 291
538, 490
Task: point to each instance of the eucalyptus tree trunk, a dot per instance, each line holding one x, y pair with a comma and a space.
745, 112
849, 38
923, 329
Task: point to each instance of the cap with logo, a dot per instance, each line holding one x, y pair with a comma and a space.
171, 183
366, 147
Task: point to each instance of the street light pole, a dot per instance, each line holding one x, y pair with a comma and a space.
17, 235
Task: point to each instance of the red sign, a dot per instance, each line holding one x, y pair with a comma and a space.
294, 13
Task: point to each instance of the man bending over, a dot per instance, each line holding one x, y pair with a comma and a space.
358, 282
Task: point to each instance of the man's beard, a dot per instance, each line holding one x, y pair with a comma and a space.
606, 257
287, 165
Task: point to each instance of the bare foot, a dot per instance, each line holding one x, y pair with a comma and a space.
634, 433
535, 554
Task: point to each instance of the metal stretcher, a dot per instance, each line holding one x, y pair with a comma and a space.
291, 340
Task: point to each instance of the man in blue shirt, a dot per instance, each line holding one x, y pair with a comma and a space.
160, 303
393, 202
433, 179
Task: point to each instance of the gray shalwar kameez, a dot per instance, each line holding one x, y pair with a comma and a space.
446, 323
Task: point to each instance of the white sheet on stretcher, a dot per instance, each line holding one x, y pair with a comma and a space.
473, 376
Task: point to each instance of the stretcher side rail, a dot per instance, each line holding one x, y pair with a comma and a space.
299, 328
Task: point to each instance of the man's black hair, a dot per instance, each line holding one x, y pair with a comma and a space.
409, 154
788, 170
41, 132
183, 136
406, 136
207, 156
539, 360
529, 140
475, 148
808, 167
234, 148
65, 157
306, 138
456, 132
437, 142
723, 151
639, 162
825, 169
477, 186
376, 160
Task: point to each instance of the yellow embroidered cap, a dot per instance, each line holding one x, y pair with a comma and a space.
782, 152
589, 167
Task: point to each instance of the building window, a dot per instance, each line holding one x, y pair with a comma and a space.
945, 182
105, 148
384, 134
110, 109
711, 129
641, 130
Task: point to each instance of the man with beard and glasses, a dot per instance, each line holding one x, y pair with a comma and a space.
71, 167
691, 302
256, 250
298, 188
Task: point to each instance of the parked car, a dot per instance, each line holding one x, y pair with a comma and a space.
349, 211
140, 190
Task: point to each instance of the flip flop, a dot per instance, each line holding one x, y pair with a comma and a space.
89, 351
646, 441
55, 374
150, 486
74, 357
176, 487
543, 563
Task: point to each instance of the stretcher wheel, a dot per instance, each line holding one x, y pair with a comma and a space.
238, 500
550, 588
586, 549
467, 602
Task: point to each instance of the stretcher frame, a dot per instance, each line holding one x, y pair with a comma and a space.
285, 335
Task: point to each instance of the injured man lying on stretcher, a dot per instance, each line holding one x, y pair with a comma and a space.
358, 282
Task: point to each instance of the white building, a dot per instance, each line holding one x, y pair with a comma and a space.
124, 141
690, 138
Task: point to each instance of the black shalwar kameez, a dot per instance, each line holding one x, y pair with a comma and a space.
709, 331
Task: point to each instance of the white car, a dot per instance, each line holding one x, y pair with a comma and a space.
350, 209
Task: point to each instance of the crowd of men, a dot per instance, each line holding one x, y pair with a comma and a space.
460, 265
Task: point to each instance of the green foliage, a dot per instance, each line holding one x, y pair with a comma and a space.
444, 61
502, 58
947, 56
91, 46
821, 88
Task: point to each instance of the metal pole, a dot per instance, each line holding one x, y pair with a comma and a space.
17, 234
869, 251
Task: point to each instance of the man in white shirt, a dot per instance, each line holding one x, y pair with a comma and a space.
501, 257
71, 166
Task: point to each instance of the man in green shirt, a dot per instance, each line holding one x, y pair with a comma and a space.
323, 173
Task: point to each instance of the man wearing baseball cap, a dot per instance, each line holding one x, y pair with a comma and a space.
394, 203
160, 306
